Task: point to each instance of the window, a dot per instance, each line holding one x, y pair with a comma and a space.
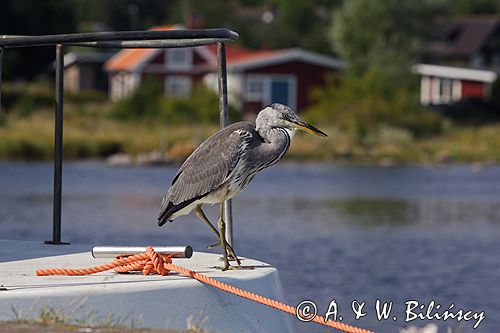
123, 84
178, 86
271, 88
179, 58
254, 88
445, 90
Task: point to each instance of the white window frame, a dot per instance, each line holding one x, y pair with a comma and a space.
456, 90
123, 84
445, 90
425, 86
435, 94
252, 96
184, 81
173, 63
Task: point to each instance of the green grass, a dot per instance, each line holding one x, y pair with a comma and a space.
62, 319
93, 136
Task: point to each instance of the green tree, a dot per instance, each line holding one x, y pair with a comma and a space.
467, 7
385, 33
124, 14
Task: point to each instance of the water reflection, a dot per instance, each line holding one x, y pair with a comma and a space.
428, 213
343, 232
374, 212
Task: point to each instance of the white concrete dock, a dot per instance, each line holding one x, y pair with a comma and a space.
149, 301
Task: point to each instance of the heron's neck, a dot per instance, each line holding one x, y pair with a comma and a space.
269, 131
276, 143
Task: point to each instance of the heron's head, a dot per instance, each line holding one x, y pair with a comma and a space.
279, 115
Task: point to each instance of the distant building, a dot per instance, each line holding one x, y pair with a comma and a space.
471, 41
446, 85
462, 60
255, 78
84, 71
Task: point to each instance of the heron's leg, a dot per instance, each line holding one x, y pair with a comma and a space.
222, 233
201, 214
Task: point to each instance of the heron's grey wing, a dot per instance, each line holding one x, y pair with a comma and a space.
210, 165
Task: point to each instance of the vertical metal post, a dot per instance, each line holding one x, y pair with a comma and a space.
224, 121
1, 64
59, 96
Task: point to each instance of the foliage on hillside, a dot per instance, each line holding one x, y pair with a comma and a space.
371, 110
377, 93
149, 103
362, 105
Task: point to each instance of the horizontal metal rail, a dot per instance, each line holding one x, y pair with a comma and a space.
146, 44
118, 39
7, 41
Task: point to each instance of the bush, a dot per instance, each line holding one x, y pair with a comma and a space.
143, 104
148, 103
83, 97
25, 149
26, 98
471, 111
359, 106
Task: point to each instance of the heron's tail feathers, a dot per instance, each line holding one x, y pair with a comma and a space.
165, 213
169, 208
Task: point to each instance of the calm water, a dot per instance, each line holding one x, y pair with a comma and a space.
335, 232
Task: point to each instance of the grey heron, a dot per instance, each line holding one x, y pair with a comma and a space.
226, 162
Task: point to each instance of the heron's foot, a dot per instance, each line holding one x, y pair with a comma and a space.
234, 268
239, 267
231, 254
231, 258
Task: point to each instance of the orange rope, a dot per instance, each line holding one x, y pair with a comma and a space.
150, 261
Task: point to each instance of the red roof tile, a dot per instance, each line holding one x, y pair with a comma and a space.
128, 59
236, 54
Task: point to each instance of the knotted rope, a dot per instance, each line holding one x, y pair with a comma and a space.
150, 261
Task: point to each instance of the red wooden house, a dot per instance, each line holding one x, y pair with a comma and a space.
255, 78
446, 85
463, 60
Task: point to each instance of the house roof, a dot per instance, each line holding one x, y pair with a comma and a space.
236, 54
463, 36
131, 59
455, 73
274, 57
237, 57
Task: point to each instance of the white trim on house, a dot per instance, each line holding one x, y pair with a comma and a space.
123, 84
456, 90
455, 73
425, 86
435, 93
286, 56
438, 90
206, 54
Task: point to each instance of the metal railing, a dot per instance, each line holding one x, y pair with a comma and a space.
119, 39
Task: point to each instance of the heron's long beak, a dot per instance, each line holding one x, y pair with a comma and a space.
300, 124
